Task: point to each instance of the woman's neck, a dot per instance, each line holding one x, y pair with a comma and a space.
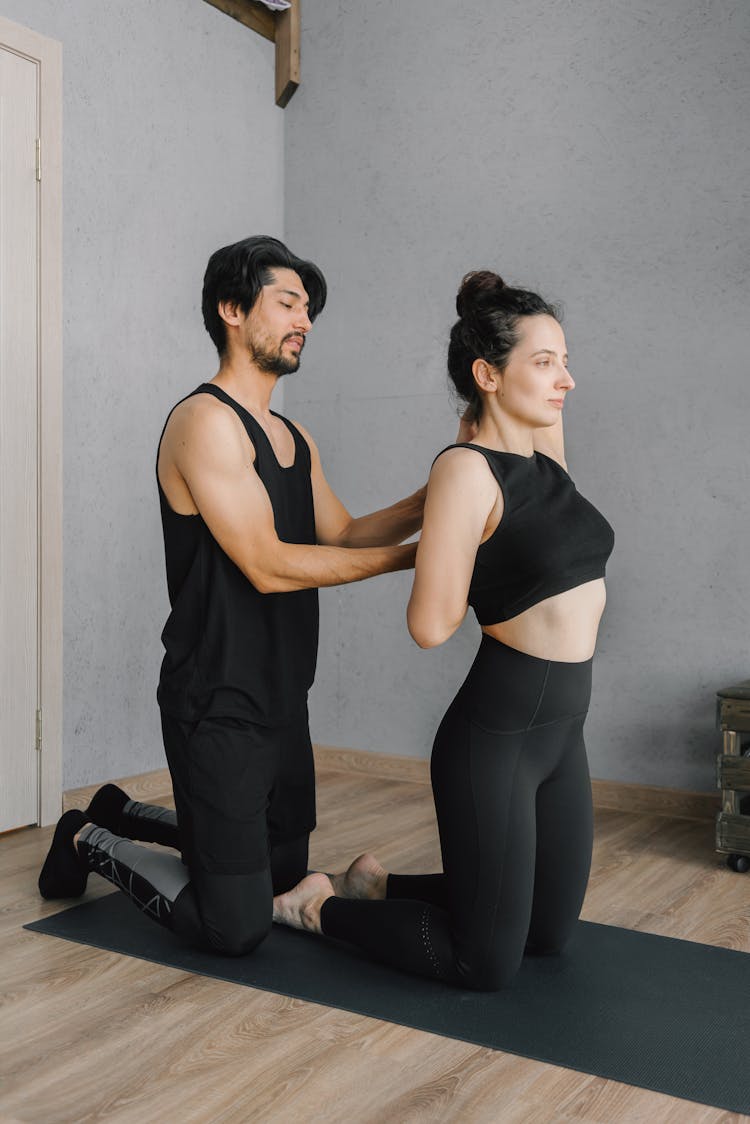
506, 434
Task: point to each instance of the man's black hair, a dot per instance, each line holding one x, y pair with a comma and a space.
239, 272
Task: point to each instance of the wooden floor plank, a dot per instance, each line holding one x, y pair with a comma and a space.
92, 1036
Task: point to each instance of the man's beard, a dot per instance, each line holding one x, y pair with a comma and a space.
275, 362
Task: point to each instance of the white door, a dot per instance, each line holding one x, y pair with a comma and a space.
19, 452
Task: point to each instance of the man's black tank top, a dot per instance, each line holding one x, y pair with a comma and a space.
230, 650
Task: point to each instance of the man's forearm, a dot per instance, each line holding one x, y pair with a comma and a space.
386, 527
294, 566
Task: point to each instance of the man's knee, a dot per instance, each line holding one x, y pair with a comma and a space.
235, 938
235, 910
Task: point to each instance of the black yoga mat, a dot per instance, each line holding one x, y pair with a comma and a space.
663, 1014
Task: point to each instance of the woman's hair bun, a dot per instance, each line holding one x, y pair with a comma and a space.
479, 289
488, 328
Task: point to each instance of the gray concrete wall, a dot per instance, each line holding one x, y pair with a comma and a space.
172, 147
598, 152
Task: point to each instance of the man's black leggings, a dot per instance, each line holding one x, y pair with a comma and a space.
513, 800
245, 804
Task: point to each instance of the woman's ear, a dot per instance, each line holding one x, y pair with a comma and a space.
485, 376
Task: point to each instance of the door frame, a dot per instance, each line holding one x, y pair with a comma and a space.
46, 54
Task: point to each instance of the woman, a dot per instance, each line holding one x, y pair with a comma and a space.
505, 532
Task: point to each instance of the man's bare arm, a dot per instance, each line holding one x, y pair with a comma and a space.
390, 525
336, 527
215, 460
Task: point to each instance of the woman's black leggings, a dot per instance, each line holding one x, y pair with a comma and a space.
513, 799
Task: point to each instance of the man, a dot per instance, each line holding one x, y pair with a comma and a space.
251, 530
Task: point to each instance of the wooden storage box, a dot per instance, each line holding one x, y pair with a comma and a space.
733, 774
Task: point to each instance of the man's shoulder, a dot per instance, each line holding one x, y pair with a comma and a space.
204, 420
201, 407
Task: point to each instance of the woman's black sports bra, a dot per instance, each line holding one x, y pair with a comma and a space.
550, 539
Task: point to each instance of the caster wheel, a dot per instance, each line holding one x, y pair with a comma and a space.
740, 863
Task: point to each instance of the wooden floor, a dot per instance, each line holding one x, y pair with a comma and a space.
90, 1035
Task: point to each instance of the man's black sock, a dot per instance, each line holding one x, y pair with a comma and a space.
64, 874
105, 809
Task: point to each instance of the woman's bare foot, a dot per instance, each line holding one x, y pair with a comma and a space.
300, 907
365, 879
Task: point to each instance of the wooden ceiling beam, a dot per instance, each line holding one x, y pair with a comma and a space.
251, 14
281, 28
287, 53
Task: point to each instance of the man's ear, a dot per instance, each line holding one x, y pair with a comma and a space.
230, 312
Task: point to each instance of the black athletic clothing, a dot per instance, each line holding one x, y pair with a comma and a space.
513, 802
233, 697
550, 539
509, 771
239, 789
229, 914
230, 650
245, 803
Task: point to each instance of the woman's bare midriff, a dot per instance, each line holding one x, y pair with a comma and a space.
562, 628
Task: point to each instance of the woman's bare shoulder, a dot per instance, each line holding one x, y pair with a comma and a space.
465, 459
462, 472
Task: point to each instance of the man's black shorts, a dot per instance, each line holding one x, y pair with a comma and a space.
239, 789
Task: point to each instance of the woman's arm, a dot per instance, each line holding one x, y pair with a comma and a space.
461, 494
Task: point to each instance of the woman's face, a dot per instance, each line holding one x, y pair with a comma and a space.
533, 386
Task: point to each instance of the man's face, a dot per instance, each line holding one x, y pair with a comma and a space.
275, 328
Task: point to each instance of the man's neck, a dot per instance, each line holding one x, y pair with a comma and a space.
247, 384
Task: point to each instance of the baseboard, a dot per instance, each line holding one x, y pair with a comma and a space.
612, 795
150, 788
156, 788
678, 803
389, 766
